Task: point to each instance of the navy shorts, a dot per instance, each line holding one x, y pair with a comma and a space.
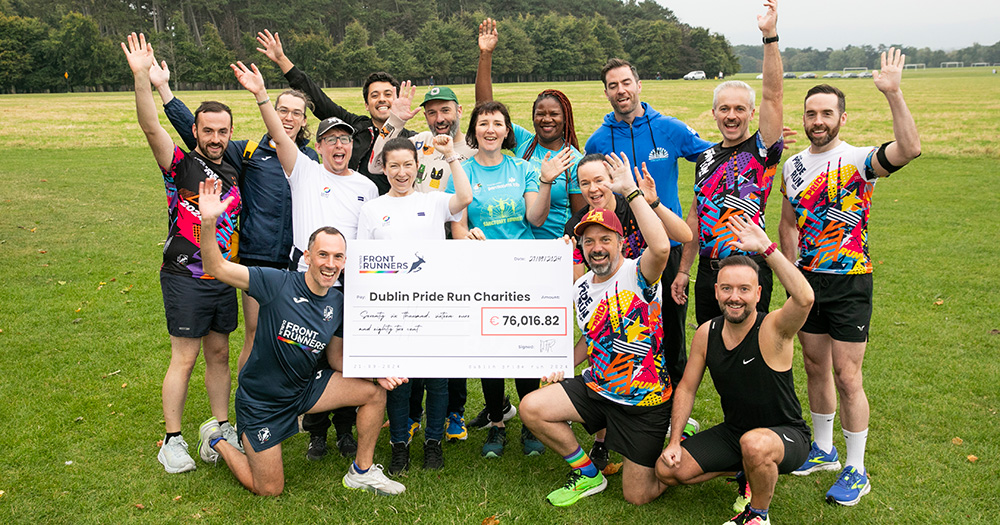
718, 448
266, 425
634, 432
195, 307
843, 306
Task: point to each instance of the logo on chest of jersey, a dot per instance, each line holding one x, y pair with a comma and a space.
325, 192
659, 154
327, 313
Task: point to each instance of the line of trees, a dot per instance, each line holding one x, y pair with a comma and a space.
55, 45
809, 59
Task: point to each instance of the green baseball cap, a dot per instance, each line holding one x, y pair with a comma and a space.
440, 93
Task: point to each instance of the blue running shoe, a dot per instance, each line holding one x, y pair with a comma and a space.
817, 461
455, 428
849, 488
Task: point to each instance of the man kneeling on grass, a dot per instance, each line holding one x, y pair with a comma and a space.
626, 389
300, 317
749, 354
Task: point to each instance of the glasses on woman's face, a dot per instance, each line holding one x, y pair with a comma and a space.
344, 139
297, 113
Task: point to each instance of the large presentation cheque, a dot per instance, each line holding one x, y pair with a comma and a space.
458, 308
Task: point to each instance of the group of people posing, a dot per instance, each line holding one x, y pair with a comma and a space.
274, 219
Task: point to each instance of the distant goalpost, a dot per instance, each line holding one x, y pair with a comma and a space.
981, 64
952, 64
857, 69
915, 66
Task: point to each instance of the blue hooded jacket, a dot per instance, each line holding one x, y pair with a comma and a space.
655, 139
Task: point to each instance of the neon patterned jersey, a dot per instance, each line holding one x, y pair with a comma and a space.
182, 249
831, 193
732, 181
620, 319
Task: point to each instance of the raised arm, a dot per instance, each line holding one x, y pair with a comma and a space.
654, 257
786, 320
772, 93
177, 112
907, 144
140, 58
323, 107
212, 260
677, 229
488, 38
463, 189
251, 79
271, 47
399, 115
538, 210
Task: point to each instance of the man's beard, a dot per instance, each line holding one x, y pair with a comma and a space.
739, 318
831, 133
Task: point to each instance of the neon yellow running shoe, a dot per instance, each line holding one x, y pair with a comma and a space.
576, 487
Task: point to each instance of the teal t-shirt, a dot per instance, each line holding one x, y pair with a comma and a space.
559, 206
498, 206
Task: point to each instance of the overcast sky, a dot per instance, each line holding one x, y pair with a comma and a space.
820, 24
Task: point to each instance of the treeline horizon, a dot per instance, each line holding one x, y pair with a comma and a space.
73, 45
808, 59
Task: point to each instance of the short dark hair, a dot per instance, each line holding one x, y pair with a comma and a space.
587, 159
485, 108
329, 230
378, 76
740, 260
212, 106
396, 144
827, 88
304, 130
615, 63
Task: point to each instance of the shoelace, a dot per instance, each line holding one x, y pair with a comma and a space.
573, 478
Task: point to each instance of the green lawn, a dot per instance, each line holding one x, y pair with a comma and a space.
84, 346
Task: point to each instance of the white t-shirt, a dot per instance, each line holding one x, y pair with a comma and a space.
320, 198
415, 216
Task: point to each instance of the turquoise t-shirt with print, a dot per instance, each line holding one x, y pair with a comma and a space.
562, 187
498, 207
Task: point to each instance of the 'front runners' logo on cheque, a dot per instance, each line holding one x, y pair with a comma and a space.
389, 264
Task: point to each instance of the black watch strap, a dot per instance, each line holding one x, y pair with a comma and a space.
768, 40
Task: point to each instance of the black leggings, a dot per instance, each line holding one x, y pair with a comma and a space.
493, 394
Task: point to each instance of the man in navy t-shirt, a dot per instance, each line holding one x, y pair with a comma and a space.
300, 317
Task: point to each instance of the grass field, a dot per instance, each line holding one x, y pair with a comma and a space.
84, 347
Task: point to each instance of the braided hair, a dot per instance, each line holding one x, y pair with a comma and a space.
569, 130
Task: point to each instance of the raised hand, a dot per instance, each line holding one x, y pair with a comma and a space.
159, 74
402, 103
271, 45
621, 174
888, 78
250, 78
646, 183
553, 166
488, 36
768, 22
139, 54
750, 238
209, 205
444, 144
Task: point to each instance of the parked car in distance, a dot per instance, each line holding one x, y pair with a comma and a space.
789, 75
832, 74
695, 75
850, 75
807, 75
866, 74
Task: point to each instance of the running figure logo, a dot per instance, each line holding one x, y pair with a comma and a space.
415, 267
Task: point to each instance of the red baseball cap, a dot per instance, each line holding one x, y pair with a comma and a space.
606, 218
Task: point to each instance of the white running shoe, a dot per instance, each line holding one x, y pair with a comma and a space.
231, 436
373, 481
207, 453
174, 456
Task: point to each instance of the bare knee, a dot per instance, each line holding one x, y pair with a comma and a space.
274, 488
530, 409
848, 382
757, 446
638, 497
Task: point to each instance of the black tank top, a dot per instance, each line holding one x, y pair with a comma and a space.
753, 395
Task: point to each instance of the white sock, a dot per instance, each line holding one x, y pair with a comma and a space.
823, 430
856, 449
